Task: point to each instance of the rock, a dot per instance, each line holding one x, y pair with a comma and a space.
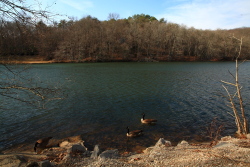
68, 145
222, 144
159, 146
231, 152
147, 150
12, 160
183, 143
64, 144
108, 154
75, 139
32, 164
21, 161
162, 143
45, 163
73, 148
21, 158
96, 152
78, 148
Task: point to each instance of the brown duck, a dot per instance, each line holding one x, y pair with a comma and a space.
42, 143
147, 121
134, 133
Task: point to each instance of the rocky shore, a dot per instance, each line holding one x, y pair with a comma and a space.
228, 151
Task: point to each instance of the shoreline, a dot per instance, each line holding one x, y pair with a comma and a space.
40, 60
56, 62
26, 62
228, 151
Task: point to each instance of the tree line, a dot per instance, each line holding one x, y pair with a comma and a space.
137, 38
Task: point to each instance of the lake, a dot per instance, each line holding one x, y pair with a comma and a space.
102, 99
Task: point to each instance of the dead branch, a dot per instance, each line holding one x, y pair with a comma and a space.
236, 114
241, 122
228, 83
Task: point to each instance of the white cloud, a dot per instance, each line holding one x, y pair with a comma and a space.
209, 14
82, 5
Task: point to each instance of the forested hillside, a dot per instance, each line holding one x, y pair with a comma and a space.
137, 38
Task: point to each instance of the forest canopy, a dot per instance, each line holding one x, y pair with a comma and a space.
140, 37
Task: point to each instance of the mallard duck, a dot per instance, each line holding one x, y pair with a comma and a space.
147, 121
42, 143
134, 133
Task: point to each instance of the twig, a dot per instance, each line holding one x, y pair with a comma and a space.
228, 83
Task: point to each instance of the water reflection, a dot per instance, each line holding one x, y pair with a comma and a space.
104, 98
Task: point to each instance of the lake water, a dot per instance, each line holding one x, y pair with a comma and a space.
102, 99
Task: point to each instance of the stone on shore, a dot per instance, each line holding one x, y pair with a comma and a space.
45, 163
108, 154
77, 148
13, 160
23, 160
222, 144
228, 152
183, 143
73, 149
95, 152
161, 144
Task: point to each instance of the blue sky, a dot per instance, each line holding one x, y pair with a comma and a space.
200, 14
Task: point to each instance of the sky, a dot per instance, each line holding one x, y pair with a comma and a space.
200, 14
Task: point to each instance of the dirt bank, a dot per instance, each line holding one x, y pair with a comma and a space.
24, 60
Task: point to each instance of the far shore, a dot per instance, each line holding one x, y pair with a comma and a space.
41, 60
24, 60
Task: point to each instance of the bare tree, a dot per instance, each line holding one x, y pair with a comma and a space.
16, 85
113, 16
214, 130
240, 117
18, 10
13, 84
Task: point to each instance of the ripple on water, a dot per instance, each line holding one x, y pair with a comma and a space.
104, 98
